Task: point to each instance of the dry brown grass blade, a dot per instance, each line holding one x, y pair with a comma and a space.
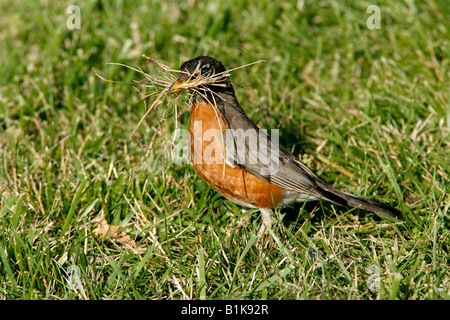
157, 101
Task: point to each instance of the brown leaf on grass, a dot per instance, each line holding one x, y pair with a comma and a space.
411, 199
110, 232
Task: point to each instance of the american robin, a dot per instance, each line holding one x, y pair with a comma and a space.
241, 161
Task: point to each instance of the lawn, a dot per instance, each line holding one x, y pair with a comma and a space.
366, 108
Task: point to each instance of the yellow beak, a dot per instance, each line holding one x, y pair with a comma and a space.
175, 87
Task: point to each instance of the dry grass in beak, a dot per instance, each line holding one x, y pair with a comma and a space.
163, 85
196, 80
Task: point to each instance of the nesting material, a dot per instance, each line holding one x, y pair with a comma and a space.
160, 85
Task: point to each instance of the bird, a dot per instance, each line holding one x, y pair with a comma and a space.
240, 160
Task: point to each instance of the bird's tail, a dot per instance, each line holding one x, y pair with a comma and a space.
346, 199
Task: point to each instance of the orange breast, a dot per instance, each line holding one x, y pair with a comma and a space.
207, 155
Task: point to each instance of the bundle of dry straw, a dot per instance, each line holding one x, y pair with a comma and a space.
160, 85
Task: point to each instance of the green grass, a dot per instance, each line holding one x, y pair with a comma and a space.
375, 102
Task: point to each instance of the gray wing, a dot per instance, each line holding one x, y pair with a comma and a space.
253, 151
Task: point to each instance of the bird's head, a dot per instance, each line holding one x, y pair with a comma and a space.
200, 73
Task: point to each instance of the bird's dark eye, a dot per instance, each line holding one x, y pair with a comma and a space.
206, 70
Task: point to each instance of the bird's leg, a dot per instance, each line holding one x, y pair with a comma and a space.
267, 218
